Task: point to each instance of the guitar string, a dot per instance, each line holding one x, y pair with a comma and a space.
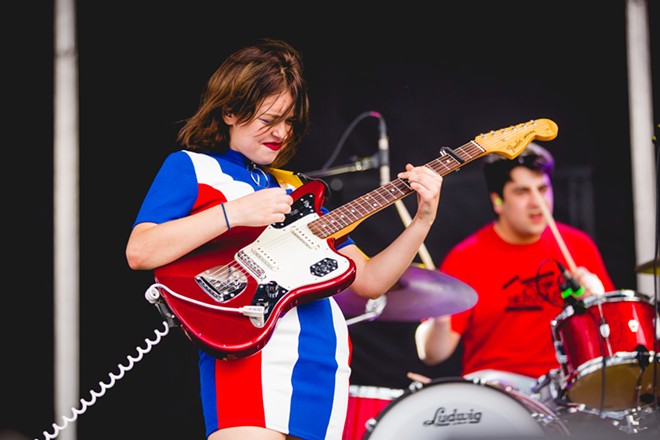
217, 272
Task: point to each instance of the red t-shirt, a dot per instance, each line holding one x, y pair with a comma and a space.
509, 328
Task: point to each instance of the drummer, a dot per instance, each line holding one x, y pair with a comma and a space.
520, 272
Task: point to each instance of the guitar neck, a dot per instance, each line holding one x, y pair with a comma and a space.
348, 216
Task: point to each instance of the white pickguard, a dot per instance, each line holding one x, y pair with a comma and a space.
288, 256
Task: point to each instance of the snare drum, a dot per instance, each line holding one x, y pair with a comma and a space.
456, 407
611, 335
364, 403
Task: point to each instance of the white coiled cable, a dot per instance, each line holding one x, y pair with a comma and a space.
84, 404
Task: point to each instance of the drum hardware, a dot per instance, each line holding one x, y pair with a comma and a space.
417, 385
372, 310
631, 425
560, 353
576, 304
581, 418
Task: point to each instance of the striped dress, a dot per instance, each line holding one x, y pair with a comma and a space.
298, 383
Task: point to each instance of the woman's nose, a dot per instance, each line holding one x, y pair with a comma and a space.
280, 129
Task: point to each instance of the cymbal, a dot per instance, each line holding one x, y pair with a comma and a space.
420, 293
651, 267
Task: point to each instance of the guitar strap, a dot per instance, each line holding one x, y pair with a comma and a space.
286, 178
289, 179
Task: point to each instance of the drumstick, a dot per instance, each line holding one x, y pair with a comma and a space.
553, 227
418, 377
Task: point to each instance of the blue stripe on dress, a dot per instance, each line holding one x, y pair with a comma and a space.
315, 372
207, 393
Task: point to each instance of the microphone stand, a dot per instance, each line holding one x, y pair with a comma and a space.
361, 164
383, 149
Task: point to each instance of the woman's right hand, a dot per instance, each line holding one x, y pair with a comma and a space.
260, 208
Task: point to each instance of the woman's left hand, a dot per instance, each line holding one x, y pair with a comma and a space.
427, 184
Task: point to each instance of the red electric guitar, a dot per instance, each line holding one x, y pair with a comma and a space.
228, 294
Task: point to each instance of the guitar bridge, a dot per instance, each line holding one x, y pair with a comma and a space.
222, 283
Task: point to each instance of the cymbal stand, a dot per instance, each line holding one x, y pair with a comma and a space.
373, 309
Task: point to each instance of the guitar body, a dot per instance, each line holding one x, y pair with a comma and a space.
271, 268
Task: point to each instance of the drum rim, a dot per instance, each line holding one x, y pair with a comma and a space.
616, 359
374, 392
594, 365
621, 295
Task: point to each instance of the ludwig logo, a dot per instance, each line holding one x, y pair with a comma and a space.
444, 418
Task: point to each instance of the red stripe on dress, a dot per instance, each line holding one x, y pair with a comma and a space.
238, 392
207, 197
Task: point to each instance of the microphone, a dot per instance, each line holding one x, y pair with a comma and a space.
570, 287
383, 149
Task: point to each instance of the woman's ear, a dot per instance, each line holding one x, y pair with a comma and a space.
228, 117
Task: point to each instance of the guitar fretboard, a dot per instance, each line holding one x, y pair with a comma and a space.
385, 195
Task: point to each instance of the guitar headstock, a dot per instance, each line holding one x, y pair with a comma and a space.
511, 141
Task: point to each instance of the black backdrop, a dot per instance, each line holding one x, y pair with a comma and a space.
440, 74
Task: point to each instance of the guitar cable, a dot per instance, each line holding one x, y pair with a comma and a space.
104, 386
153, 296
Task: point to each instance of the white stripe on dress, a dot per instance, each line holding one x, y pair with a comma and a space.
340, 407
280, 356
209, 172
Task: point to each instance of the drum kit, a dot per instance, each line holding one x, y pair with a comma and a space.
608, 382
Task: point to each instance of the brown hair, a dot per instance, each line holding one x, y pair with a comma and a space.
239, 86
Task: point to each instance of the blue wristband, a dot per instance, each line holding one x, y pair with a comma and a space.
224, 211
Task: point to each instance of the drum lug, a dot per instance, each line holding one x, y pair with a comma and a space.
415, 386
560, 353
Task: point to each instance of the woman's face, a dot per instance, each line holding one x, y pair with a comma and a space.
261, 140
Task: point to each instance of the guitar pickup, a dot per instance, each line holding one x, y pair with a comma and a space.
266, 258
250, 264
306, 237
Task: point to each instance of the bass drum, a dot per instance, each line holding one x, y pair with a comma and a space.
450, 408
